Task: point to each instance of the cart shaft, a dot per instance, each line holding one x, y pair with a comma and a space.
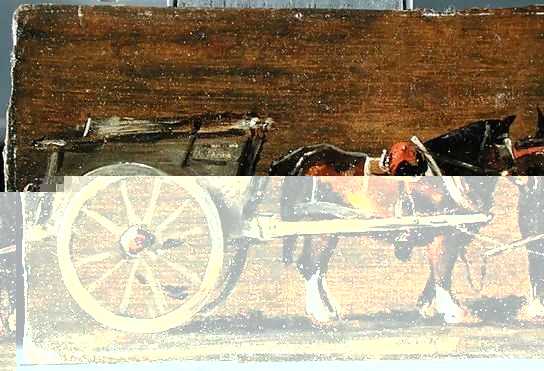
267, 227
520, 243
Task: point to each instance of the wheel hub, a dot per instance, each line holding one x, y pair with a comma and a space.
135, 240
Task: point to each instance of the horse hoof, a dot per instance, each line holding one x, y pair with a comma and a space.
535, 308
533, 311
428, 310
319, 316
332, 305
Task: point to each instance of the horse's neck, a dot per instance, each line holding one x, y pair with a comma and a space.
443, 195
466, 146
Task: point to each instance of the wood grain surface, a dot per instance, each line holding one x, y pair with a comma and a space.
358, 79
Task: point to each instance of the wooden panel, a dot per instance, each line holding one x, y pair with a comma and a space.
221, 159
358, 79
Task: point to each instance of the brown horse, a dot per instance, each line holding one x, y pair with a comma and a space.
387, 197
480, 148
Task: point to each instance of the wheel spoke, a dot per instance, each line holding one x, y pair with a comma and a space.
151, 310
132, 219
128, 290
161, 227
103, 221
96, 284
160, 300
192, 276
153, 202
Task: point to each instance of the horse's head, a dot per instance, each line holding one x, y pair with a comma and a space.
476, 149
529, 152
403, 159
498, 152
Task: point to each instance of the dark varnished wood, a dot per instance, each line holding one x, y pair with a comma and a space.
358, 79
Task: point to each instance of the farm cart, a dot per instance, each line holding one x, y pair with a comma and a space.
222, 144
146, 254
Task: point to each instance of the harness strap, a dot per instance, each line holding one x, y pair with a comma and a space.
367, 171
430, 160
483, 272
483, 143
455, 189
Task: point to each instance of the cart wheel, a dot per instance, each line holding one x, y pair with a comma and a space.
139, 259
131, 168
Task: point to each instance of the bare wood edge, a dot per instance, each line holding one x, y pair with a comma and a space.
8, 250
115, 126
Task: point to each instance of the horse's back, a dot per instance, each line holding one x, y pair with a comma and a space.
331, 160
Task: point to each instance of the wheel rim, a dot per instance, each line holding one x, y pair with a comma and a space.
149, 270
131, 168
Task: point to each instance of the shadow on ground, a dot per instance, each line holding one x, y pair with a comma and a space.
491, 311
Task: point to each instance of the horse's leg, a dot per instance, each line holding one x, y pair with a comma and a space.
330, 302
535, 307
531, 223
443, 253
309, 265
426, 303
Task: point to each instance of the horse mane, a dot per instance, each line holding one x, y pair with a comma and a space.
469, 136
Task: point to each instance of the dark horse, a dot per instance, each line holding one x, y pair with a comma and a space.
477, 149
529, 166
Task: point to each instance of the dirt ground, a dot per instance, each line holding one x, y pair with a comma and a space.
7, 355
264, 318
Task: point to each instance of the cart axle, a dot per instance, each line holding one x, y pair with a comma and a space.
135, 240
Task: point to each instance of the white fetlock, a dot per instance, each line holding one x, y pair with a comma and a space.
12, 322
336, 309
314, 305
535, 308
445, 305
